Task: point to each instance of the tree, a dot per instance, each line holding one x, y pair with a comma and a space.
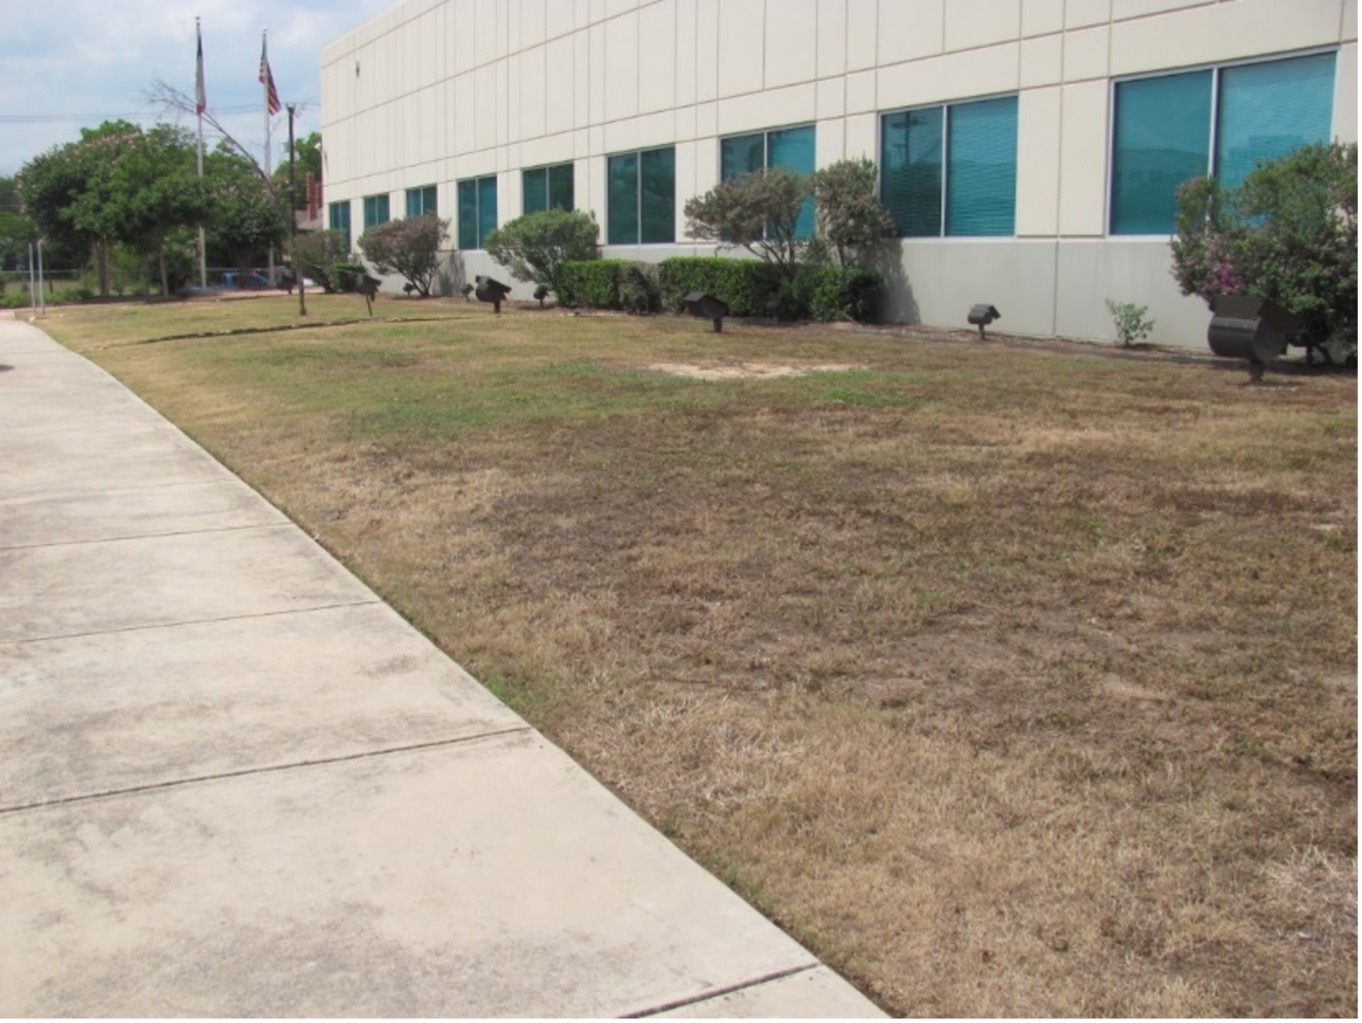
69, 192
17, 231
757, 211
1288, 233
850, 217
316, 253
535, 247
247, 215
158, 191
307, 158
408, 247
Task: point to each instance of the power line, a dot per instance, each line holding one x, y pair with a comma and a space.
248, 108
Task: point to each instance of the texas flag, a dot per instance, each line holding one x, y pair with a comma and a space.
200, 92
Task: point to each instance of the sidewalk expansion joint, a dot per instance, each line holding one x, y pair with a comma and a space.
145, 536
720, 992
271, 769
191, 621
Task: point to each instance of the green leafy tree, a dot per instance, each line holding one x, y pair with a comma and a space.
849, 215
157, 192
17, 231
307, 159
409, 247
247, 216
535, 247
70, 192
758, 212
1288, 233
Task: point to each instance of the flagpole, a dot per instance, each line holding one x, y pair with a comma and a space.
267, 81
200, 101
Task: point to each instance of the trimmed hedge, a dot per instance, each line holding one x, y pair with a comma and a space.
750, 287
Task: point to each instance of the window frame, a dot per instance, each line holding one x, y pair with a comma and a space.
387, 209
547, 170
766, 133
479, 236
639, 222
1216, 70
335, 208
420, 193
943, 211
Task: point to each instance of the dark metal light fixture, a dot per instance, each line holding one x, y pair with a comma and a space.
1245, 327
981, 315
489, 290
705, 305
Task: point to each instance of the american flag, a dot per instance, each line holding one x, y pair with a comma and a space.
267, 79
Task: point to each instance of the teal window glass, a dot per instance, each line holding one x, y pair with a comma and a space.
562, 187
981, 178
477, 211
912, 146
641, 197
792, 148
339, 219
544, 188
741, 155
468, 214
621, 210
657, 202
1268, 110
421, 201
534, 190
487, 208
375, 210
1162, 138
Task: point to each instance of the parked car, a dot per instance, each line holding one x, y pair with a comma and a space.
253, 281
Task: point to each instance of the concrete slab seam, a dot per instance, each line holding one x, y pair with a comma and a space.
269, 769
722, 991
191, 621
148, 536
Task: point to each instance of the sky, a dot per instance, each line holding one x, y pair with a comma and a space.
79, 63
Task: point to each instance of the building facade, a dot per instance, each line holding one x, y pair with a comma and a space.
1027, 149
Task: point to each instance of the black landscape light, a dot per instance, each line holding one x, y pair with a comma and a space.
489, 290
981, 315
368, 287
705, 305
1245, 327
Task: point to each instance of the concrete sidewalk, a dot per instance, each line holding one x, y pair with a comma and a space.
233, 782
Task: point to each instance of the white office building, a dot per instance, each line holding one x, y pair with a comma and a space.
1027, 149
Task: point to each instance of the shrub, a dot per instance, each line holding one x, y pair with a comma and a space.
843, 293
316, 253
16, 300
80, 293
409, 247
345, 277
850, 216
1288, 233
1131, 326
535, 247
750, 288
758, 212
593, 283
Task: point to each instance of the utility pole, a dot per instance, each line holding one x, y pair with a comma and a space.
293, 218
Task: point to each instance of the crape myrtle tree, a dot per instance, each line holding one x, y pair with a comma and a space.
74, 194
409, 247
17, 230
758, 212
848, 213
1288, 233
535, 247
316, 254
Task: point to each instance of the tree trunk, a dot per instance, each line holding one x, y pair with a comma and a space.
161, 261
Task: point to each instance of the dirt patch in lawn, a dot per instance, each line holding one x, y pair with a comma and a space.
747, 370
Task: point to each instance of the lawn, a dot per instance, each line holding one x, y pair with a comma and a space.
1011, 678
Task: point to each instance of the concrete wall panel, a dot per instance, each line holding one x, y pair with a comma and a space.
1039, 113
909, 30
791, 42
742, 23
971, 23
656, 57
1082, 168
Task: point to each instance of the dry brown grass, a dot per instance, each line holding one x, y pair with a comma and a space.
1012, 679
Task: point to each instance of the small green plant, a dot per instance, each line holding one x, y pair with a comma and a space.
1131, 326
535, 247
